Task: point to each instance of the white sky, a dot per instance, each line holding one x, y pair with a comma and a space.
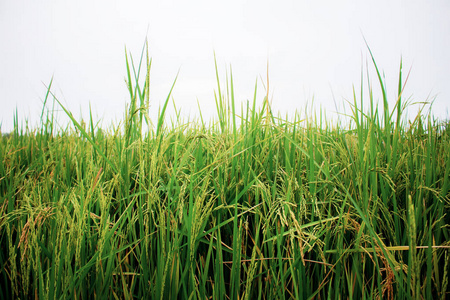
314, 48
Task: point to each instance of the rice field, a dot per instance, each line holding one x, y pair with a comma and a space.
247, 206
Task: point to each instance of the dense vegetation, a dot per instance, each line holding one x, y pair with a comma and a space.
254, 206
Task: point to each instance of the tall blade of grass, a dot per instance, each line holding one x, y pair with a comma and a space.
163, 111
221, 110
233, 105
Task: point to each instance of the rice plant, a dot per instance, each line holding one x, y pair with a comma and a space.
251, 206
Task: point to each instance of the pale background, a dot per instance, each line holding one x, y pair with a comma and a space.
315, 49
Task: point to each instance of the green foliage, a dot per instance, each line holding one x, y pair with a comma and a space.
260, 208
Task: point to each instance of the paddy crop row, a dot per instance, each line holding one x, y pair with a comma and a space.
250, 206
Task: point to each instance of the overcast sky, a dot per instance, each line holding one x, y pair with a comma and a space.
314, 49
